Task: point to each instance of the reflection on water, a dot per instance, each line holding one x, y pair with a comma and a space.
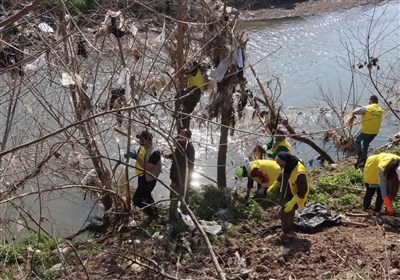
59, 213
310, 50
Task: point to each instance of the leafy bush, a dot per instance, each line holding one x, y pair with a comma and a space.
397, 151
42, 260
9, 252
342, 191
206, 202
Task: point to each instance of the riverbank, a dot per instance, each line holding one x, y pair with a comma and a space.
306, 8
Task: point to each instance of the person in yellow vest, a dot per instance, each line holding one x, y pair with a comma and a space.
371, 119
294, 188
264, 171
277, 144
147, 168
381, 174
188, 98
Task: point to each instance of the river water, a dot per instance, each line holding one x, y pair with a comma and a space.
307, 54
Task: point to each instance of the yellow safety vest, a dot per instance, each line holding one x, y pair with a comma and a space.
140, 158
283, 143
299, 169
374, 164
196, 80
372, 119
268, 167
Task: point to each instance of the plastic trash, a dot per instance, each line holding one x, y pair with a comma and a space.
214, 230
314, 217
44, 27
133, 29
240, 261
157, 235
68, 80
161, 38
75, 159
90, 178
38, 63
133, 224
186, 219
248, 112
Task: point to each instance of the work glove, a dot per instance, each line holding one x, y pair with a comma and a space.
290, 204
130, 154
260, 192
274, 186
388, 205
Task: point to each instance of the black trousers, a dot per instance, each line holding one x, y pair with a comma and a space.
186, 105
143, 198
368, 198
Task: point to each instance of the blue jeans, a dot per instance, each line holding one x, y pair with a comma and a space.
361, 143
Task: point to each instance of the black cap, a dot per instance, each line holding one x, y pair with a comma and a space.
374, 98
145, 135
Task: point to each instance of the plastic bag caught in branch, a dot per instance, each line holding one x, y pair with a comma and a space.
161, 38
68, 80
38, 63
124, 81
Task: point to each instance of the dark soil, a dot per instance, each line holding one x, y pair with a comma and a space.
367, 251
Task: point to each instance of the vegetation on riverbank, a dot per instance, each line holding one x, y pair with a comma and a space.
65, 96
38, 257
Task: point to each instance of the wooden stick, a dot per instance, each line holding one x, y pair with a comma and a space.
358, 274
358, 214
120, 131
349, 223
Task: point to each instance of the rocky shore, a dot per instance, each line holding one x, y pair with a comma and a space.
306, 8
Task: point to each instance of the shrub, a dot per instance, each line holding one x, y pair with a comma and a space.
341, 191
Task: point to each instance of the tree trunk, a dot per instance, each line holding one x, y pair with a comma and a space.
225, 88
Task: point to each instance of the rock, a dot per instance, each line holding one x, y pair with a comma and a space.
360, 263
246, 228
326, 275
394, 272
55, 268
285, 252
136, 267
262, 269
281, 261
21, 260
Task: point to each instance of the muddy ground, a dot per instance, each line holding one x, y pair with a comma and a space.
367, 251
341, 252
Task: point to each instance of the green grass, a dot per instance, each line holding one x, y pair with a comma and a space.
43, 257
342, 191
206, 202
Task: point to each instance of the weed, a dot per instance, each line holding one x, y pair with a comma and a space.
340, 191
206, 202
42, 259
